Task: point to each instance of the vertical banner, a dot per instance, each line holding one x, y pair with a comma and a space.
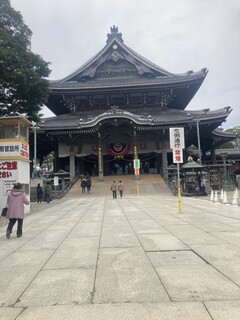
136, 164
177, 140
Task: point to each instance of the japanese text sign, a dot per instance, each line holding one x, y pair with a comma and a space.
12, 149
177, 140
8, 170
177, 156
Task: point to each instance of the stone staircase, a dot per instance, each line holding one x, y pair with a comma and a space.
147, 184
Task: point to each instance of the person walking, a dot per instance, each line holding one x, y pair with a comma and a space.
113, 188
88, 184
48, 192
196, 188
83, 184
15, 202
39, 192
120, 188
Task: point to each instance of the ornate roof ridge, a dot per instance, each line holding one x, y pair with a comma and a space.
114, 34
115, 40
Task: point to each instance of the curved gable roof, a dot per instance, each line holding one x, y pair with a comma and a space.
115, 50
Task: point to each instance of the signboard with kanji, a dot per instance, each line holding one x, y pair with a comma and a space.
177, 140
177, 156
8, 169
14, 149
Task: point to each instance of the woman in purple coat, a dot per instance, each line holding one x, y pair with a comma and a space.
15, 201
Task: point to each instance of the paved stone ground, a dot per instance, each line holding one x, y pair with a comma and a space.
94, 257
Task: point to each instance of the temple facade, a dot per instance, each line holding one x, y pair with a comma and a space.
119, 106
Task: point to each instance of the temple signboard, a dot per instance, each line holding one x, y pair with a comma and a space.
14, 149
177, 140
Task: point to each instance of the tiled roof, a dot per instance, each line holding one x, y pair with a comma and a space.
151, 117
118, 82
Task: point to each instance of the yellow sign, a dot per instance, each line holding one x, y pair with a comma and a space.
12, 149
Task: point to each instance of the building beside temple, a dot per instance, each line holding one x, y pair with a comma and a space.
119, 106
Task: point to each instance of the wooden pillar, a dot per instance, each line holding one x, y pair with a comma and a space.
164, 163
72, 165
213, 156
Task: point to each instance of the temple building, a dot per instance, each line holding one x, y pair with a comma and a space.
119, 106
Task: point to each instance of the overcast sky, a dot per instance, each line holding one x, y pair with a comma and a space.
177, 35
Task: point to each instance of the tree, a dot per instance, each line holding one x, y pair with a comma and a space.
233, 144
236, 142
23, 85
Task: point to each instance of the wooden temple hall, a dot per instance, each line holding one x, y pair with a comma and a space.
119, 106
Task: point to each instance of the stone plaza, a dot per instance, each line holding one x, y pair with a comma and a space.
94, 257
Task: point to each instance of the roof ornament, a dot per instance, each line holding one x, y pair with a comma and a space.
114, 34
115, 110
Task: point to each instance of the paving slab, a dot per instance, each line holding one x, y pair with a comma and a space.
161, 241
75, 253
192, 235
118, 237
46, 240
8, 313
231, 237
175, 258
83, 229
219, 254
197, 283
17, 272
147, 226
223, 310
126, 275
129, 311
231, 271
56, 287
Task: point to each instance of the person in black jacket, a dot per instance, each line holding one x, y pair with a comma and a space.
39, 192
83, 184
88, 184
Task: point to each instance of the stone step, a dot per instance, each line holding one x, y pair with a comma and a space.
147, 184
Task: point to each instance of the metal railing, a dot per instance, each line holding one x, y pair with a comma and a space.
58, 194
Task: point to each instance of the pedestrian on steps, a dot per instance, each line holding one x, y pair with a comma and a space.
84, 184
88, 184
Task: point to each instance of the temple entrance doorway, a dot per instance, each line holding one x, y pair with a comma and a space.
123, 165
114, 165
118, 165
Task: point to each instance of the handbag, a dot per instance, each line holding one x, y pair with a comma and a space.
4, 212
